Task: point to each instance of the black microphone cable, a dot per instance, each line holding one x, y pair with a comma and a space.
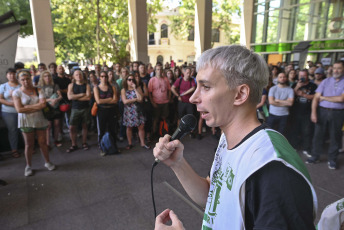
186, 125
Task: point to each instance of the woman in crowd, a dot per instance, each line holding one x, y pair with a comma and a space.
79, 92
29, 104
112, 80
149, 68
9, 113
274, 73
292, 77
53, 97
124, 74
93, 82
177, 73
106, 97
132, 117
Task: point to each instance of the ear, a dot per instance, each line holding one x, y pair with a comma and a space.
242, 94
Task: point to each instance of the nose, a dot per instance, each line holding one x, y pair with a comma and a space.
194, 99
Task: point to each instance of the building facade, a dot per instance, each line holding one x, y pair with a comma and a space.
278, 26
164, 46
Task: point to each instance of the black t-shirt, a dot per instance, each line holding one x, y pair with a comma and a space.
63, 83
277, 197
146, 79
303, 105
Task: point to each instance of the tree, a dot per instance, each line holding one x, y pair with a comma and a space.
75, 23
221, 14
21, 11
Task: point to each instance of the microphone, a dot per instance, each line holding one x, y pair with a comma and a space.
186, 125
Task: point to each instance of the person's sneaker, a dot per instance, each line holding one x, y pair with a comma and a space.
312, 160
204, 129
305, 152
58, 144
49, 166
332, 165
102, 154
28, 171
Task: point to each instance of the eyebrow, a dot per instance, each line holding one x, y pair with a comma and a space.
204, 81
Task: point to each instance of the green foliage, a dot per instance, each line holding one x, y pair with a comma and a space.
153, 7
221, 18
21, 9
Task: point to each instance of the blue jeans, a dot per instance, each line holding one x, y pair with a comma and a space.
11, 121
278, 123
333, 121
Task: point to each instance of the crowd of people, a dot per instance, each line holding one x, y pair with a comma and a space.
135, 100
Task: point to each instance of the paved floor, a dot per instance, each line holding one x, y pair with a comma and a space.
88, 191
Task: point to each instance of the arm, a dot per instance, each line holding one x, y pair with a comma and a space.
97, 98
151, 99
71, 95
86, 96
164, 217
280, 103
174, 91
145, 90
5, 102
28, 108
336, 99
262, 101
139, 93
125, 100
188, 91
315, 104
171, 154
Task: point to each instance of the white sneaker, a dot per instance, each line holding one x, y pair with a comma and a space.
49, 166
28, 171
305, 152
204, 129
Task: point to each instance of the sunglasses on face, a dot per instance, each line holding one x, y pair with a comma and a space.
130, 79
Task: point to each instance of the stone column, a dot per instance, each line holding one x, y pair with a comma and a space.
203, 22
246, 23
43, 30
138, 30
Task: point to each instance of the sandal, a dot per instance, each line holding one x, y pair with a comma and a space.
72, 148
146, 147
129, 147
85, 146
15, 154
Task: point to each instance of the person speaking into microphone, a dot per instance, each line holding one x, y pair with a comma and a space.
257, 180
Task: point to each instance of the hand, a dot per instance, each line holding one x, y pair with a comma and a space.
322, 98
170, 153
133, 85
299, 93
154, 105
314, 118
164, 217
179, 98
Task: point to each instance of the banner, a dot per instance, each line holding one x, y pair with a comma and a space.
8, 48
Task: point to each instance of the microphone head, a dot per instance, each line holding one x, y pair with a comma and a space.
188, 123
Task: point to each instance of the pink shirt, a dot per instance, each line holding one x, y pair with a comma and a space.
159, 87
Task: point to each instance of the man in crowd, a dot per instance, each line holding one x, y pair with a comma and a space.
257, 180
52, 69
281, 97
301, 129
143, 73
159, 94
136, 66
328, 112
183, 89
41, 68
319, 75
117, 71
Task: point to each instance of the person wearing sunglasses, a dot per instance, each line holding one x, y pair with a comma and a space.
132, 116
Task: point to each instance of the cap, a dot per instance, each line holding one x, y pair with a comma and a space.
319, 70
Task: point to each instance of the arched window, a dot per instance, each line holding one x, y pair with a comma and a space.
160, 59
191, 36
164, 31
215, 35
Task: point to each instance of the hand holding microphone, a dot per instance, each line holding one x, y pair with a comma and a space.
169, 149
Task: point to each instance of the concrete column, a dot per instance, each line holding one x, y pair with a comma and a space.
203, 22
138, 30
43, 30
246, 23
